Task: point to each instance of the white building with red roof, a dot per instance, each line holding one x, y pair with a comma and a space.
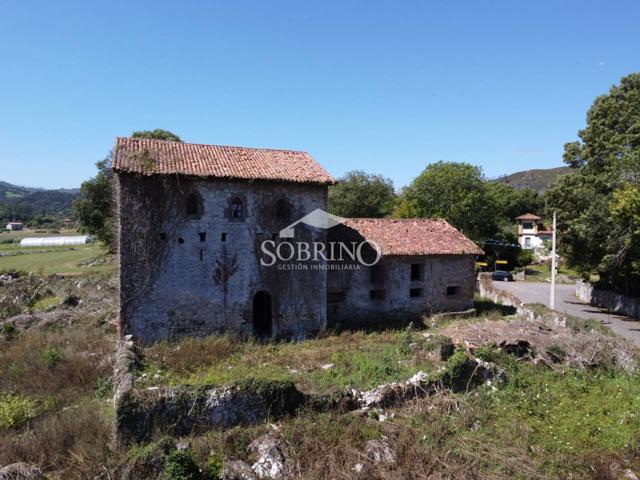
531, 232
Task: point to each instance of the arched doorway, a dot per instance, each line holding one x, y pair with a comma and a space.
262, 325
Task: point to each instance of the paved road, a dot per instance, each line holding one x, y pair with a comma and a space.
538, 292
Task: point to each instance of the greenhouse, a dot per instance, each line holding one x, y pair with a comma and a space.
55, 241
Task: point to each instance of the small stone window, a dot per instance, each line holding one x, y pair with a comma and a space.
237, 209
180, 240
416, 292
203, 236
452, 291
335, 297
193, 206
223, 237
417, 271
377, 294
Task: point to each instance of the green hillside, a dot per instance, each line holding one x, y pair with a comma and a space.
26, 203
537, 179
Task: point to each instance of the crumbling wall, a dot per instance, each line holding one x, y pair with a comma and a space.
391, 277
184, 275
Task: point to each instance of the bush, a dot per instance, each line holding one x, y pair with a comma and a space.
181, 466
51, 357
16, 410
9, 331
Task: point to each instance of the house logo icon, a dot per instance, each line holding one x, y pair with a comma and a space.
318, 218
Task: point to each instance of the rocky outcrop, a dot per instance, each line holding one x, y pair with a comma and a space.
183, 410
21, 471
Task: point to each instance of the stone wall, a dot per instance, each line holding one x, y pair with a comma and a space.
386, 291
196, 274
614, 302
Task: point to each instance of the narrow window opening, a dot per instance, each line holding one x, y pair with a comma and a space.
377, 294
193, 205
201, 254
180, 240
223, 237
416, 292
163, 236
452, 291
274, 236
236, 208
416, 272
203, 236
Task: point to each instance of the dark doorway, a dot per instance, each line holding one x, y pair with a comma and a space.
262, 315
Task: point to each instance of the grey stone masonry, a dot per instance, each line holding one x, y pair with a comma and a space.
190, 258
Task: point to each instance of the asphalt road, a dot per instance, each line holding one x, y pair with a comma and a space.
566, 301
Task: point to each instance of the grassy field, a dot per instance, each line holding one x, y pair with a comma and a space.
68, 260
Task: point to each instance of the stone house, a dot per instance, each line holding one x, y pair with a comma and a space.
193, 221
425, 266
190, 220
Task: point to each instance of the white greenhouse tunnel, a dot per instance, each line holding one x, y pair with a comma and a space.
55, 241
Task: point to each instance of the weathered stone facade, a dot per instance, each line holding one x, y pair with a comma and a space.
192, 224
196, 272
401, 288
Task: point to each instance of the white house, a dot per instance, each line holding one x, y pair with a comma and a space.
531, 233
14, 226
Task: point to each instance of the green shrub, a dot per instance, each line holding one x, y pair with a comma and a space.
459, 371
213, 469
51, 357
181, 466
104, 387
8, 331
16, 410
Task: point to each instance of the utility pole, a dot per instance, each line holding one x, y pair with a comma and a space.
552, 296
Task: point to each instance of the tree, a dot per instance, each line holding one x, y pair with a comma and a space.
157, 134
458, 193
358, 194
95, 209
599, 231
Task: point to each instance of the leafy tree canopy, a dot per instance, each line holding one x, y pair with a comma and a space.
457, 192
359, 194
597, 207
157, 134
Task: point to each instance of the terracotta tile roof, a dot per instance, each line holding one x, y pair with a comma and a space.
161, 157
411, 236
528, 216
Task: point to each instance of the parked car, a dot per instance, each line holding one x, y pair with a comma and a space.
502, 276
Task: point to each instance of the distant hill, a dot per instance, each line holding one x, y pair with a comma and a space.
537, 179
25, 203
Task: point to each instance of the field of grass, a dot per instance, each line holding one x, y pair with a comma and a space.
334, 362
70, 260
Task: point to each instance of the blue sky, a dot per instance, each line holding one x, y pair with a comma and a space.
383, 86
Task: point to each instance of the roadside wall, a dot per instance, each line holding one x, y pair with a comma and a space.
614, 302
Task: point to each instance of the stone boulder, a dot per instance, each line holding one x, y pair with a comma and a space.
21, 471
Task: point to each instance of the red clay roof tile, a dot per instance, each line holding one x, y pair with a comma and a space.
410, 236
160, 157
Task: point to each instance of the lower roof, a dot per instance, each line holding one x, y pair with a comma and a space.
410, 236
